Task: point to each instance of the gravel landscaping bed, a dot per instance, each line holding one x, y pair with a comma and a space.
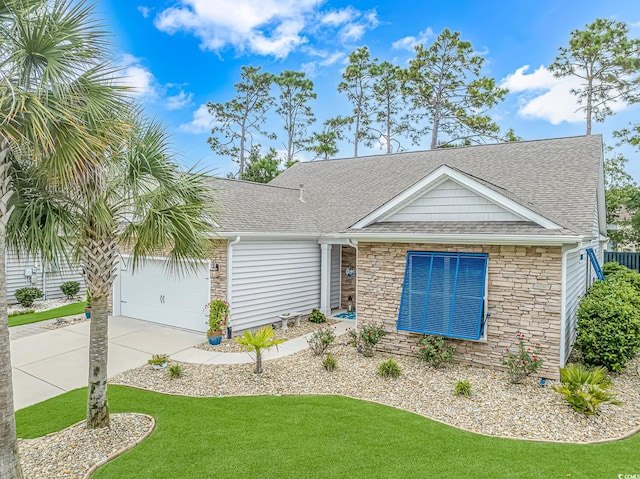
306, 327
72, 452
496, 408
38, 306
64, 322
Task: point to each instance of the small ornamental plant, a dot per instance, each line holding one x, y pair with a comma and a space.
389, 369
159, 360
433, 351
317, 316
330, 362
366, 340
462, 388
218, 314
522, 361
320, 340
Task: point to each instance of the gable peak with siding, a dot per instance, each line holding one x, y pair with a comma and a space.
450, 195
452, 201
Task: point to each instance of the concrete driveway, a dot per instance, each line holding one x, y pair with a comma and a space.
55, 361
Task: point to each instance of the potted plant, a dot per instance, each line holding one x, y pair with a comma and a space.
87, 306
218, 314
158, 361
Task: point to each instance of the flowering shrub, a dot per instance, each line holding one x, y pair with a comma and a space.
218, 314
366, 340
320, 340
523, 361
432, 350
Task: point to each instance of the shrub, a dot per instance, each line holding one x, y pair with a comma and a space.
175, 371
432, 350
317, 316
70, 288
608, 332
329, 362
26, 296
218, 314
462, 388
389, 369
585, 389
320, 340
615, 271
522, 362
366, 340
158, 359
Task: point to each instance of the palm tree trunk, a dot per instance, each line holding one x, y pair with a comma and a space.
99, 271
258, 362
97, 403
9, 459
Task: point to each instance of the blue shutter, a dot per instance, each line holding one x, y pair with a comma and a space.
443, 294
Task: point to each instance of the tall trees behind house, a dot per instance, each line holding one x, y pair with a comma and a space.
445, 89
607, 62
294, 111
239, 123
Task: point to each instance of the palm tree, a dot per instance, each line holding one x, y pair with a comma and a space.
53, 88
136, 197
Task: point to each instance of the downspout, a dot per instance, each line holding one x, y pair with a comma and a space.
354, 244
563, 302
229, 282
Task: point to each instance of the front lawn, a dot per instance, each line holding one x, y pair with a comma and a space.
60, 312
318, 436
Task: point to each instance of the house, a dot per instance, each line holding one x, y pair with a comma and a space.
26, 271
475, 243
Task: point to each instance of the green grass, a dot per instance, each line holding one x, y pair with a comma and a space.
62, 311
318, 436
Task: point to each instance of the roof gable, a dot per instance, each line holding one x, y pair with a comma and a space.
448, 194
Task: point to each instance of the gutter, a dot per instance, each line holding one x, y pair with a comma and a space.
563, 302
229, 270
526, 240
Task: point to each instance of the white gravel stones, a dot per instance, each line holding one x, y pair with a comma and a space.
38, 306
497, 408
71, 452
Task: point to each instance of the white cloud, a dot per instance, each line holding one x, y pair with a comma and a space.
144, 11
202, 121
265, 27
410, 42
143, 84
543, 96
178, 101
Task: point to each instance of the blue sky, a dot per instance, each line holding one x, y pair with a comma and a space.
180, 54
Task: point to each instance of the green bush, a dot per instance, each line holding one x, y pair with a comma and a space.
320, 340
175, 371
366, 340
584, 388
26, 296
462, 388
432, 350
389, 369
70, 288
317, 316
608, 332
615, 271
329, 362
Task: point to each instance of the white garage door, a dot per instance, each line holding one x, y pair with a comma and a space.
154, 294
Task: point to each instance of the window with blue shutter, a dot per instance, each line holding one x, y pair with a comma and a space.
444, 294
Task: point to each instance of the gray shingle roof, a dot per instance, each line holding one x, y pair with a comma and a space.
464, 227
249, 207
557, 178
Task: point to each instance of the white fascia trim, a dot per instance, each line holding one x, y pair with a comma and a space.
263, 235
526, 240
440, 175
600, 198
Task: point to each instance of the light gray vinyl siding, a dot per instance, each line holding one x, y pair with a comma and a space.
450, 201
336, 253
47, 279
269, 278
576, 287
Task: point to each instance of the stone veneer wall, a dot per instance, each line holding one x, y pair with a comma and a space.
524, 296
348, 285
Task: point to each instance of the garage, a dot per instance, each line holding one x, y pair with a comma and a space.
155, 294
